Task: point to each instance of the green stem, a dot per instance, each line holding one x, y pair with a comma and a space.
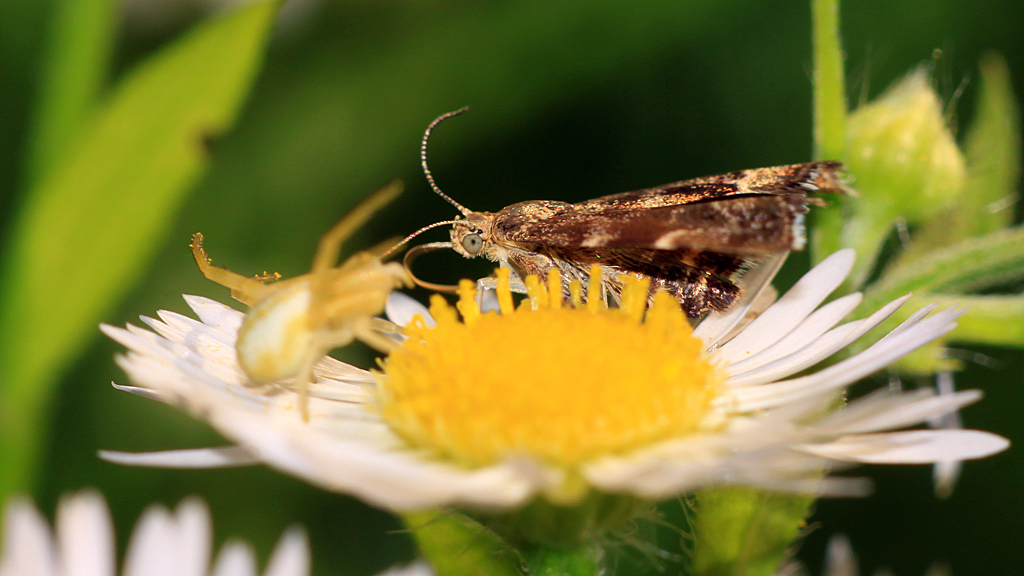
829, 116
829, 83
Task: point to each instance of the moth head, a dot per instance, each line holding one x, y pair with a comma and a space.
472, 237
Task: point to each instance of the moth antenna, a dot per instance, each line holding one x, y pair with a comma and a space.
405, 240
418, 251
423, 158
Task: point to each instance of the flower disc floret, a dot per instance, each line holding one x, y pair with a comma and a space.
561, 384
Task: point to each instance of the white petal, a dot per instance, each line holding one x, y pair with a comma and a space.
884, 410
911, 447
821, 348
85, 535
401, 308
174, 326
808, 331
839, 558
152, 550
291, 555
839, 375
791, 309
194, 538
215, 314
713, 330
946, 473
144, 392
223, 457
394, 479
488, 303
27, 547
235, 559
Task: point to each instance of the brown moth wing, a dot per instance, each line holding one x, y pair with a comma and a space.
700, 280
787, 179
692, 238
740, 225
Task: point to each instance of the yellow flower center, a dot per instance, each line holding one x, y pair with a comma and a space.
560, 383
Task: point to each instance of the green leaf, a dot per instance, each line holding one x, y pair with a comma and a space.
937, 276
81, 37
745, 532
457, 546
996, 320
993, 149
91, 223
973, 264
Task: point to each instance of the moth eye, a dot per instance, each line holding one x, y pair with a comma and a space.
473, 243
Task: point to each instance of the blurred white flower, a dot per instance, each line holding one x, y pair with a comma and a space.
841, 561
560, 402
164, 543
946, 472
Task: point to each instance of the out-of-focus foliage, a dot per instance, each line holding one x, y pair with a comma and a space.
570, 100
97, 204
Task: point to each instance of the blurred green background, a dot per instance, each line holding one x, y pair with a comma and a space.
570, 100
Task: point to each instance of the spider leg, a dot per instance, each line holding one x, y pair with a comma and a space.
330, 244
243, 288
366, 334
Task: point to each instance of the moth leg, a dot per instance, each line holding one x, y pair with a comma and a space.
490, 285
243, 288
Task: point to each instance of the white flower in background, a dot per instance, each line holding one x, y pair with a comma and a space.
164, 543
562, 402
841, 561
946, 472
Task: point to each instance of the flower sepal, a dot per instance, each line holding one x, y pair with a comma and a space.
745, 531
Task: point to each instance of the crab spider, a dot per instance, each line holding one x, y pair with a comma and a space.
293, 323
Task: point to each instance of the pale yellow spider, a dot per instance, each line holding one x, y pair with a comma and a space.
293, 323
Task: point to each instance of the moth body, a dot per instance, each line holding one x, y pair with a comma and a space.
693, 238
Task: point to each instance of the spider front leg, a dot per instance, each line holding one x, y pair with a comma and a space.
367, 334
243, 288
330, 244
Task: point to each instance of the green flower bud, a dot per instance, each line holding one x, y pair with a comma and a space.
903, 154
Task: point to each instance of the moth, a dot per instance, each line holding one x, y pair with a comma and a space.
293, 323
692, 238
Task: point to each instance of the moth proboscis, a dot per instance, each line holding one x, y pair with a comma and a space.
692, 238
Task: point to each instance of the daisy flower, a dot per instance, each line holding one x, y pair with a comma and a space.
562, 404
164, 543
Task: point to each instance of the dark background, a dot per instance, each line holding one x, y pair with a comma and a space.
570, 100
